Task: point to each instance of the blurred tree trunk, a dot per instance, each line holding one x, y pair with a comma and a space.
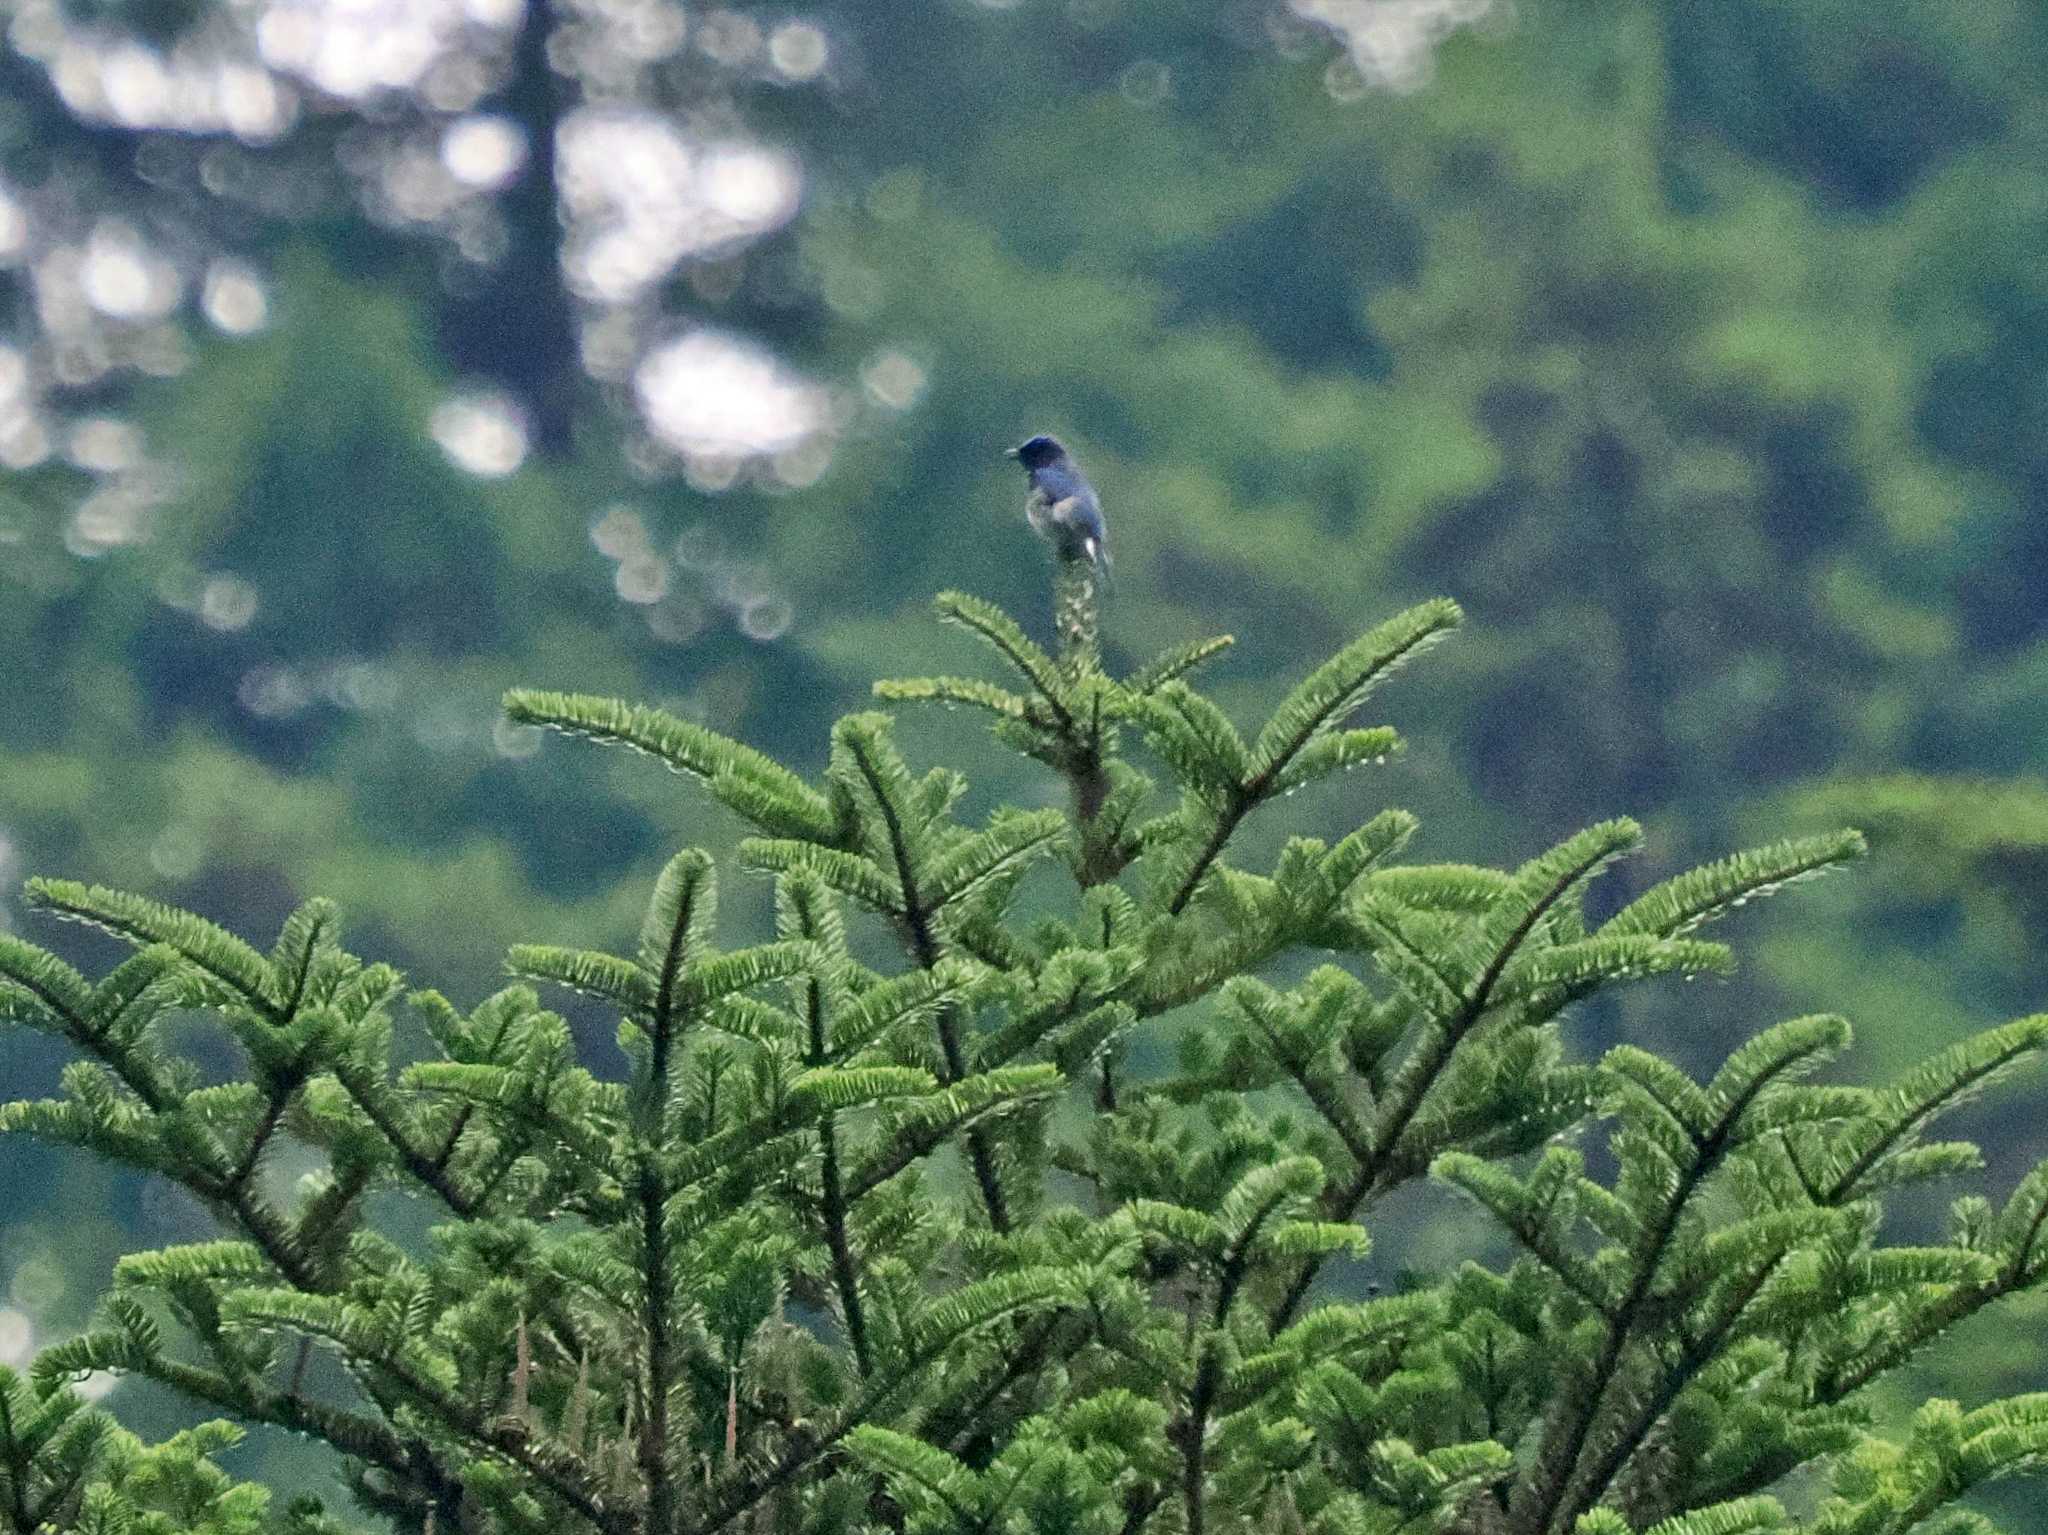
518, 327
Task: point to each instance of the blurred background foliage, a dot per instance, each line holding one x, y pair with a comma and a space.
361, 358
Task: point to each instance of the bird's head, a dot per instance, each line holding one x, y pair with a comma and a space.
1038, 452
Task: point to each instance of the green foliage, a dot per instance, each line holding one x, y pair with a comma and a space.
65, 1465
1745, 486
854, 1244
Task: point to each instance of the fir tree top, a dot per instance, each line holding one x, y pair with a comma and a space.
852, 1247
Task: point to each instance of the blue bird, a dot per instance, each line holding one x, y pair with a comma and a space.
1062, 506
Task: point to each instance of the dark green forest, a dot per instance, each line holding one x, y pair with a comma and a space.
362, 361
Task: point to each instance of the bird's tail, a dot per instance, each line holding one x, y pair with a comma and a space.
1097, 550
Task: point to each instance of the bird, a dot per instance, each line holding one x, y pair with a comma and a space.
1062, 507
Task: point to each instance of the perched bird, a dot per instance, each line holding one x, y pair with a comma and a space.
1062, 506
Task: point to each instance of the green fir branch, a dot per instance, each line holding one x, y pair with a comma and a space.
1098, 1318
755, 785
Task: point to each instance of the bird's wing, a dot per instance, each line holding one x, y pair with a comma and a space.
1040, 512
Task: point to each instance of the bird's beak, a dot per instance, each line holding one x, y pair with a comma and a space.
1011, 452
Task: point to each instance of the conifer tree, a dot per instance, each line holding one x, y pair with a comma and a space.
829, 1254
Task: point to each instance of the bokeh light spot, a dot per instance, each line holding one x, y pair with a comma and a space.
501, 14
620, 533
234, 300
699, 547
641, 579
802, 466
38, 1283
24, 440
17, 1337
677, 619
482, 434
1391, 42
363, 687
273, 692
852, 289
446, 725
1343, 81
358, 48
227, 603
798, 50
710, 395
766, 618
483, 151
712, 472
178, 852
729, 37
122, 278
103, 444
114, 515
13, 228
642, 198
893, 379
748, 184
514, 741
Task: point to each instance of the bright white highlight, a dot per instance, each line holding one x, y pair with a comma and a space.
707, 394
642, 197
482, 151
1390, 41
482, 434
